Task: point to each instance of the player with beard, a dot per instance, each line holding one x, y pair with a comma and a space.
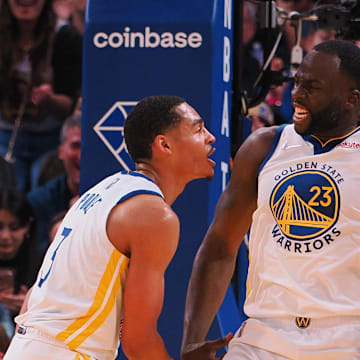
294, 185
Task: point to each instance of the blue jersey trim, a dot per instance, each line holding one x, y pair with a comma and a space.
137, 192
273, 146
320, 148
132, 173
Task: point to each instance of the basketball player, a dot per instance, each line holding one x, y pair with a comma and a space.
104, 272
295, 185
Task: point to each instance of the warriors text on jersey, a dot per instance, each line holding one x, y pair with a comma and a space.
305, 236
77, 297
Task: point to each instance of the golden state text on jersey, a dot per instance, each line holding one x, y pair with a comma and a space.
305, 205
306, 199
304, 244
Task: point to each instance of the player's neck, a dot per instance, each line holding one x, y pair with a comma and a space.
147, 170
164, 179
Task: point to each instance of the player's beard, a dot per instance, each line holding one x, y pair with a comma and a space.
326, 120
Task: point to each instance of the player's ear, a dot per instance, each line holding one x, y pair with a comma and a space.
162, 144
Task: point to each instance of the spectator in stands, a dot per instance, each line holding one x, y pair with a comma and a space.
78, 14
70, 12
54, 225
261, 116
62, 10
252, 50
51, 168
258, 116
19, 258
4, 340
7, 178
289, 29
278, 98
40, 73
315, 36
7, 325
56, 195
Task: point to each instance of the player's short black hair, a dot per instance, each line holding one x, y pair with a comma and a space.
347, 52
150, 117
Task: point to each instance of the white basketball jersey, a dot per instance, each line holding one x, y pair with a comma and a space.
77, 297
305, 237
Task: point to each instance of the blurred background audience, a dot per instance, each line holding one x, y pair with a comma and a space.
40, 121
4, 341
40, 71
70, 12
19, 255
57, 194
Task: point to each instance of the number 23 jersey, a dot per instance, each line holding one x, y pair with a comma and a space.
305, 237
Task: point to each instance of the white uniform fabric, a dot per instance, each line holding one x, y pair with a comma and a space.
279, 339
38, 346
304, 246
77, 298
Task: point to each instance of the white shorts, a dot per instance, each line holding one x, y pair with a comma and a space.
34, 345
322, 339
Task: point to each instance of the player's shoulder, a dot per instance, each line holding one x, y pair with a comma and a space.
144, 211
154, 207
265, 134
257, 145
144, 216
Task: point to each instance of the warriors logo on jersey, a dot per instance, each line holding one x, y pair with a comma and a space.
305, 205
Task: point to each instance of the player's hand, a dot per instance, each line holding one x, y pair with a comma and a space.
205, 350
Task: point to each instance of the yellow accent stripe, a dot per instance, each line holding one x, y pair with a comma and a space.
247, 279
99, 319
323, 144
98, 300
80, 356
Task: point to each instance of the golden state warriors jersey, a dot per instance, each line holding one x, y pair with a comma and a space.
77, 297
305, 237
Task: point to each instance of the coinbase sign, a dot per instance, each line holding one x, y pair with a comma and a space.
147, 39
134, 49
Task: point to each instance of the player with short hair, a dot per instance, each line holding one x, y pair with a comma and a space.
104, 272
295, 185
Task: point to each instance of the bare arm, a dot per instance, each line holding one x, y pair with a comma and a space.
148, 229
215, 260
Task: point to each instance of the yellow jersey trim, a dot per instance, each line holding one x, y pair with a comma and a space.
323, 144
80, 356
86, 322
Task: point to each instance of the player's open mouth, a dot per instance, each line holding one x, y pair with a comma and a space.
300, 113
212, 150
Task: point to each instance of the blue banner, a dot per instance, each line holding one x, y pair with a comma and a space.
134, 49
